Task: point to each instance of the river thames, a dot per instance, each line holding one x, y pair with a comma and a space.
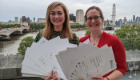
10, 47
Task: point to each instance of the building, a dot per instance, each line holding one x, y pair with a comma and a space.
125, 20
23, 19
2, 23
73, 23
11, 22
133, 18
34, 19
16, 19
137, 19
41, 21
72, 17
28, 20
131, 21
20, 20
113, 14
24, 23
120, 21
80, 16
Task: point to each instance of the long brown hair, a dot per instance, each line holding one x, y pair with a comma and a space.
49, 29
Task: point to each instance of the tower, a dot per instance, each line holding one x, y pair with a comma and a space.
133, 18
16, 19
23, 18
28, 20
113, 14
80, 16
34, 19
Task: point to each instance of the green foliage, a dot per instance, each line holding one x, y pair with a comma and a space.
25, 42
37, 26
88, 31
78, 26
129, 36
9, 25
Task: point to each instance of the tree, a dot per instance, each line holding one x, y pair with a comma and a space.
129, 36
88, 31
25, 42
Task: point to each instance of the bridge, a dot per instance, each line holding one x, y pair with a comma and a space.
5, 33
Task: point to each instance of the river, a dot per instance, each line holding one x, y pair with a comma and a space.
10, 47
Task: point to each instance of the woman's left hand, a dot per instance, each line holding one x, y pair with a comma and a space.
55, 76
95, 77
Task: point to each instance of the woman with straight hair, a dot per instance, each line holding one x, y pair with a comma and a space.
57, 24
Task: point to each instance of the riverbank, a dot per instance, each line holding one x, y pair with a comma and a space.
10, 47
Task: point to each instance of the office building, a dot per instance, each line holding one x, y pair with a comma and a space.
80, 16
16, 19
133, 18
23, 19
72, 17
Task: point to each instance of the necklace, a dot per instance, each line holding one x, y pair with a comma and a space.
94, 42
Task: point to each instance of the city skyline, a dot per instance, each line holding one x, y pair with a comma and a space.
37, 8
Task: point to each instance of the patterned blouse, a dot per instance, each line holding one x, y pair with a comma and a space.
55, 34
58, 33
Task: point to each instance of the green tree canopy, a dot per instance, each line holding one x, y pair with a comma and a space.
129, 36
87, 32
37, 26
25, 42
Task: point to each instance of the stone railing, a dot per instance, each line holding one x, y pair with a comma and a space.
10, 67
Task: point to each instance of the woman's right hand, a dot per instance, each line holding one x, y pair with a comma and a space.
49, 77
81, 79
55, 76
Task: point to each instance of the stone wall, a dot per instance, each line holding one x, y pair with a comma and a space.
10, 68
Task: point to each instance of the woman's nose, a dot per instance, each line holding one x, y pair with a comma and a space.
56, 16
92, 20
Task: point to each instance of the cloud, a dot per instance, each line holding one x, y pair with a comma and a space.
37, 8
97, 1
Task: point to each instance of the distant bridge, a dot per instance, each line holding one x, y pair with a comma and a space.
5, 34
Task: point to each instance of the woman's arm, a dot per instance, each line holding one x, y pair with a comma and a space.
115, 75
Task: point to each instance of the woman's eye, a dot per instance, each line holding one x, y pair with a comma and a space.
52, 13
59, 13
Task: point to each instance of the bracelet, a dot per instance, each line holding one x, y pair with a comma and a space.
107, 78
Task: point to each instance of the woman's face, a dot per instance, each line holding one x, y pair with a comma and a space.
57, 16
94, 21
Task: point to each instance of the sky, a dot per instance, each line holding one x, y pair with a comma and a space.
9, 9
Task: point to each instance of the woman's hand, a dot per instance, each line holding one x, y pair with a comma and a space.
49, 77
94, 77
81, 79
55, 76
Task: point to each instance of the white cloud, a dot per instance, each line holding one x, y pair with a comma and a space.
37, 8
97, 1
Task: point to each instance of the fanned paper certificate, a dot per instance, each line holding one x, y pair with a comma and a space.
71, 61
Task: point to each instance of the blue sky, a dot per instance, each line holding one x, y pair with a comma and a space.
9, 9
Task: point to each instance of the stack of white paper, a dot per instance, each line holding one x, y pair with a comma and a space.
40, 58
86, 60
70, 61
